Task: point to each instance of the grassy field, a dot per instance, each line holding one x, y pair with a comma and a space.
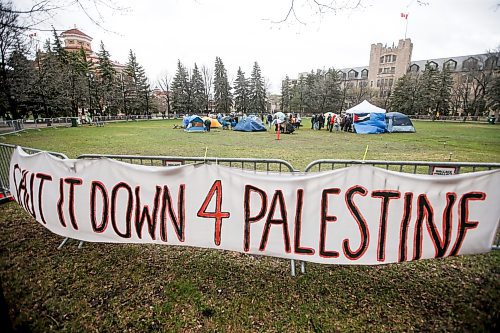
139, 288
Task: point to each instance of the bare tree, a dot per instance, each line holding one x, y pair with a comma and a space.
34, 16
208, 76
165, 84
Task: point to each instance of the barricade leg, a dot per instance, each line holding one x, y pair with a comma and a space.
65, 240
292, 267
303, 267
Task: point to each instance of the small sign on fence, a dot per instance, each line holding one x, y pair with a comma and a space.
444, 170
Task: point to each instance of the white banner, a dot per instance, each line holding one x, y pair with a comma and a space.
356, 215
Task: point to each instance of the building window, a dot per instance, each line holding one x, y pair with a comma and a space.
380, 70
450, 64
393, 57
391, 82
470, 64
371, 84
382, 60
393, 70
353, 74
491, 63
432, 65
388, 58
414, 68
364, 73
378, 83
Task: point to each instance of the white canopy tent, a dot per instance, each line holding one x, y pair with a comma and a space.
365, 107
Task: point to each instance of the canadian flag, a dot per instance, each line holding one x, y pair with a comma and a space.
404, 15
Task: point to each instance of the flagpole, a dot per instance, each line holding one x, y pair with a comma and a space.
406, 26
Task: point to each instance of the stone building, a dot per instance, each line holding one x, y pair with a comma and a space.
387, 64
74, 40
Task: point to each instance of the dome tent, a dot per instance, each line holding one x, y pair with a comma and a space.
195, 124
250, 125
214, 123
398, 123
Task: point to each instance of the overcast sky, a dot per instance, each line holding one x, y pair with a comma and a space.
242, 31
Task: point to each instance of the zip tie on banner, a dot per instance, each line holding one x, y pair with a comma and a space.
366, 151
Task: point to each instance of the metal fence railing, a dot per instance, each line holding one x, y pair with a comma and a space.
10, 126
6, 151
415, 167
257, 164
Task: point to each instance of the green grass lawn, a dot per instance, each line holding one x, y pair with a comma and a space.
433, 141
115, 288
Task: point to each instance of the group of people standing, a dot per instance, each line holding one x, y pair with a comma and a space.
342, 122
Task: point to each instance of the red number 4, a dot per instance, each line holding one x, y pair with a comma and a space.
218, 215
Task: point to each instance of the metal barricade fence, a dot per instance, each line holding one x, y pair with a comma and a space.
415, 167
6, 151
269, 165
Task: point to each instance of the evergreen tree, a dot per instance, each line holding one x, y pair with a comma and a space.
430, 89
241, 92
22, 80
181, 91
106, 82
197, 91
137, 87
309, 93
444, 90
222, 90
406, 97
257, 91
286, 95
297, 103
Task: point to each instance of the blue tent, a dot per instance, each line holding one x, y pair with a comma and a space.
369, 123
195, 124
398, 123
249, 125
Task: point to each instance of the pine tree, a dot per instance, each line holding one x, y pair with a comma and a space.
430, 89
105, 80
257, 91
241, 92
406, 96
444, 90
138, 89
222, 90
286, 95
197, 91
181, 91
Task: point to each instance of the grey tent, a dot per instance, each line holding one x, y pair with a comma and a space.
398, 123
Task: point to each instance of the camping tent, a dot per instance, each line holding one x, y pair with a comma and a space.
214, 122
195, 124
367, 118
250, 125
365, 107
398, 123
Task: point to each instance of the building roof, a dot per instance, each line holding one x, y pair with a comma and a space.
459, 60
75, 31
